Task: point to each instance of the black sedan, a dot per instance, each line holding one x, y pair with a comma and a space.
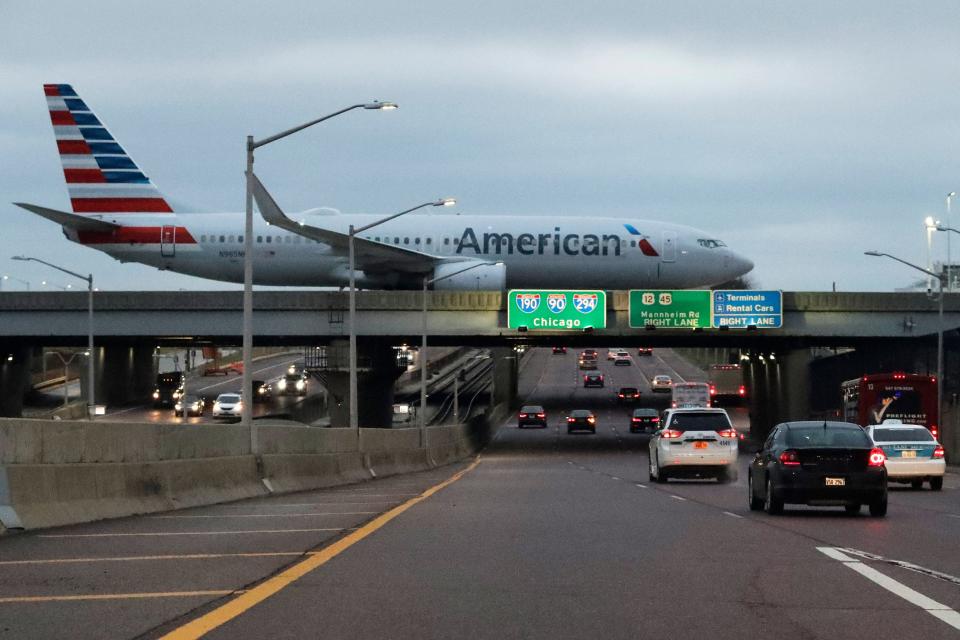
581, 420
644, 420
532, 415
819, 464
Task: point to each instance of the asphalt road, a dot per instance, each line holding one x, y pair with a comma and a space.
549, 536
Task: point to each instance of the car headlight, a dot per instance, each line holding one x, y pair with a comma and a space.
262, 390
282, 384
178, 406
176, 394
216, 404
156, 395
300, 385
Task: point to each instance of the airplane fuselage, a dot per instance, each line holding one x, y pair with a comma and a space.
537, 251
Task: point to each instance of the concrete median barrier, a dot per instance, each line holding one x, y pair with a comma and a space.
57, 472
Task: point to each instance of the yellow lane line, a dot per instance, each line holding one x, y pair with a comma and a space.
183, 533
186, 556
118, 596
269, 515
226, 612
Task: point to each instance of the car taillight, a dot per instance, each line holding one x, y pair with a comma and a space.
591, 419
523, 415
934, 431
877, 457
541, 415
743, 390
713, 391
620, 394
790, 458
634, 419
727, 433
584, 378
670, 434
571, 420
938, 452
656, 419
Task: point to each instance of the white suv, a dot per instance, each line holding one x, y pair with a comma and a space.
694, 443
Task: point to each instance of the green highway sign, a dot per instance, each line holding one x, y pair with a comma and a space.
670, 309
552, 310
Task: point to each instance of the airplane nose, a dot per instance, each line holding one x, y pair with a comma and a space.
738, 265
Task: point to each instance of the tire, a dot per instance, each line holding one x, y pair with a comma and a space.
593, 431
772, 503
878, 509
936, 484
650, 475
661, 477
853, 509
756, 504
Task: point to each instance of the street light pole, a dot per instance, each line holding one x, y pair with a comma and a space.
91, 399
354, 411
423, 347
246, 418
950, 197
940, 278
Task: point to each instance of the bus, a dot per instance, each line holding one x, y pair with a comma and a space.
726, 382
908, 397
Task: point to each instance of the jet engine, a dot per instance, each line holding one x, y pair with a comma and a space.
485, 277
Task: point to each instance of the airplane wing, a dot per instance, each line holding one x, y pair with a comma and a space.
70, 220
368, 255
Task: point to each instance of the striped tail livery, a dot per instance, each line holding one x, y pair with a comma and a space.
101, 177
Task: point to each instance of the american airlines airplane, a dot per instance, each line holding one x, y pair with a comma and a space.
118, 210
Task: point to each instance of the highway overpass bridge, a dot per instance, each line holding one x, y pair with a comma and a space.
810, 318
128, 325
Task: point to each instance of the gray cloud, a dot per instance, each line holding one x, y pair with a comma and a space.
802, 133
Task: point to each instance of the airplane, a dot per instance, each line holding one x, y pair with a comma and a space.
117, 209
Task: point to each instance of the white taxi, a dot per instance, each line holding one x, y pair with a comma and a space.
694, 443
913, 455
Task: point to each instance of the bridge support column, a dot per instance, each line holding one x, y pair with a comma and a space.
377, 370
124, 374
779, 390
14, 379
505, 376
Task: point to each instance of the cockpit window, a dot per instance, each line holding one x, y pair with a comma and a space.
710, 243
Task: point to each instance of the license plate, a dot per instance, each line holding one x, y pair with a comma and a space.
699, 445
835, 482
908, 454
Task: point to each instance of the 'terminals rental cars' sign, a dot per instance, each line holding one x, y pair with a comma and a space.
549, 310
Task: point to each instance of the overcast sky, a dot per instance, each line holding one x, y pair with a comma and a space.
801, 133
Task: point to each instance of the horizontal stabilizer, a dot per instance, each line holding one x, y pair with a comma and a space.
69, 220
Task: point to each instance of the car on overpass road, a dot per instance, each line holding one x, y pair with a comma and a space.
818, 463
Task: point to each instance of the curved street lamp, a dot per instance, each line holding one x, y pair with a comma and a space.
246, 418
354, 417
91, 399
423, 345
940, 279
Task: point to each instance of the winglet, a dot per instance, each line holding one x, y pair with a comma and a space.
269, 208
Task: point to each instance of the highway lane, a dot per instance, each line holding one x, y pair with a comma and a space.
551, 535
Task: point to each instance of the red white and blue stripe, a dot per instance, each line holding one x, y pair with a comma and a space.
101, 177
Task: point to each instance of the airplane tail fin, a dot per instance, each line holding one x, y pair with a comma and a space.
101, 177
